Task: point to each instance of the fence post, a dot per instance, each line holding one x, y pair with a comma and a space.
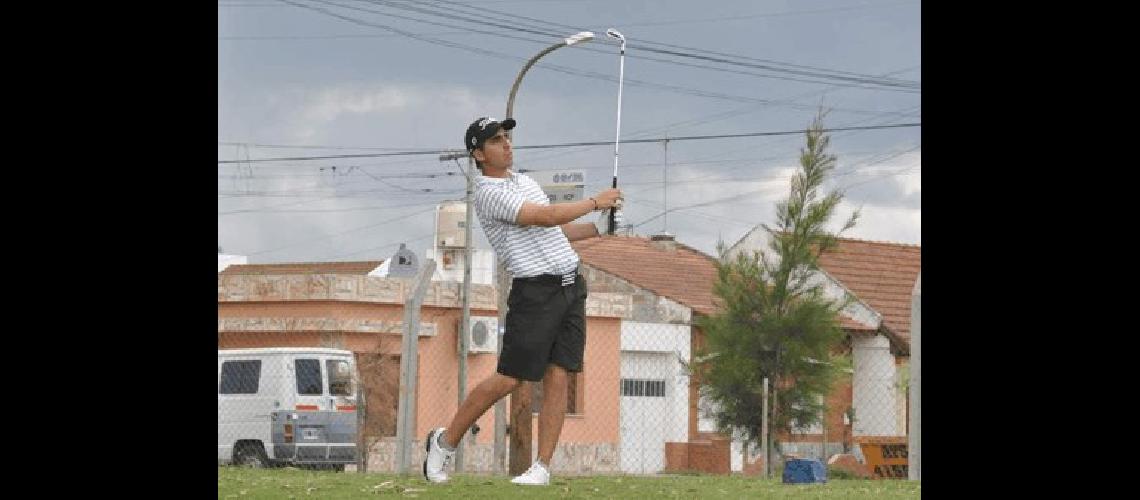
914, 447
764, 433
823, 417
502, 288
361, 439
409, 363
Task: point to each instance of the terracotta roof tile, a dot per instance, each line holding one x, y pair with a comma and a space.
880, 274
685, 275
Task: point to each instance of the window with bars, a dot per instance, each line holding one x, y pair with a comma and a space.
642, 388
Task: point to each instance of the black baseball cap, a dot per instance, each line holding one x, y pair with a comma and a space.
484, 128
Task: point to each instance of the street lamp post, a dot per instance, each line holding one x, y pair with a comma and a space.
520, 397
583, 36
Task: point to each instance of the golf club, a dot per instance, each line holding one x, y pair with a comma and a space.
612, 33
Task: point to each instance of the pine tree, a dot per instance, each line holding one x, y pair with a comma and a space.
774, 321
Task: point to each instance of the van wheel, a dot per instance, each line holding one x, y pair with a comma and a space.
251, 454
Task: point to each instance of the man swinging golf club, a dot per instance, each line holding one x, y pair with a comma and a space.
546, 323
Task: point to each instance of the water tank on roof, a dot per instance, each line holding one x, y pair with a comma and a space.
450, 219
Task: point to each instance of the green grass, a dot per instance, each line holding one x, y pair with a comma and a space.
244, 483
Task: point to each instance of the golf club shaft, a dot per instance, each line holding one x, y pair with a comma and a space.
617, 138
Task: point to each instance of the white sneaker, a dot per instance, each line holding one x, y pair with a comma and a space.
437, 458
536, 475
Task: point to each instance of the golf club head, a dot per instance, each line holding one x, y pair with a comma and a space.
612, 33
582, 36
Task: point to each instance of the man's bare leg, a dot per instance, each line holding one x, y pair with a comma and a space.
554, 386
481, 398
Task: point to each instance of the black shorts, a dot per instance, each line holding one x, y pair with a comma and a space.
546, 323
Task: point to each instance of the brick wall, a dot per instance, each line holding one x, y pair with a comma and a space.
709, 453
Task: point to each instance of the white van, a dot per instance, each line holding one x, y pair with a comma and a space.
287, 405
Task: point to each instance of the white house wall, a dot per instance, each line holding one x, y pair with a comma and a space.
674, 340
874, 392
856, 310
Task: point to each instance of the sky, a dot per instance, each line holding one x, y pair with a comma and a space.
315, 78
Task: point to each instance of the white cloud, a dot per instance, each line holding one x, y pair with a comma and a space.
888, 195
320, 114
878, 223
331, 103
912, 183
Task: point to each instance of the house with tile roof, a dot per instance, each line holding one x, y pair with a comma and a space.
351, 305
634, 408
670, 284
879, 277
632, 397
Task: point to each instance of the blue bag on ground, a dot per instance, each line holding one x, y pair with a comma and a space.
804, 470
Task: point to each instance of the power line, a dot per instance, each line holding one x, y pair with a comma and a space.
771, 14
552, 67
750, 193
342, 233
271, 209
292, 193
484, 12
735, 180
718, 136
516, 26
701, 179
373, 249
672, 127
574, 144
624, 166
786, 138
675, 163
353, 168
416, 165
333, 37
482, 20
639, 133
276, 4
846, 171
301, 146
906, 112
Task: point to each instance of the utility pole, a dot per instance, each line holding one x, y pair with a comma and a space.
465, 324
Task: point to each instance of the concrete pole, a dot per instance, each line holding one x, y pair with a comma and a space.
409, 366
914, 446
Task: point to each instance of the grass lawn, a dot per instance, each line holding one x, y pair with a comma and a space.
237, 482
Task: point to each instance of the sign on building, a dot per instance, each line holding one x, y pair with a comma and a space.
562, 186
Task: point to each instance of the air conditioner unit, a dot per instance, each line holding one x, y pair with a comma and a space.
483, 336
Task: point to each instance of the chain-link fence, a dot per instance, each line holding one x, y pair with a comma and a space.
312, 382
865, 415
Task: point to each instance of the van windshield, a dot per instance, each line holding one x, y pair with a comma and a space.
340, 377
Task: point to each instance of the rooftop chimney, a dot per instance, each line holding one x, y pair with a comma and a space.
663, 241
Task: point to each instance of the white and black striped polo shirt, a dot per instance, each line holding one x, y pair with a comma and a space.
526, 250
